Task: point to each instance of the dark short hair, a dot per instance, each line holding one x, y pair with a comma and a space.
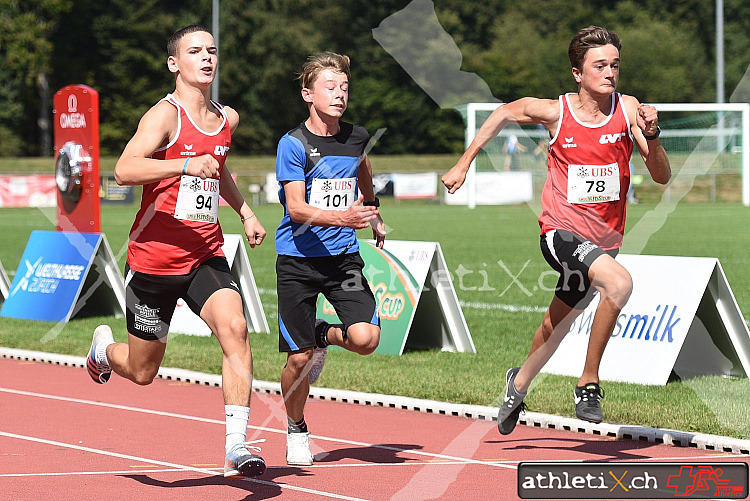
173, 42
588, 38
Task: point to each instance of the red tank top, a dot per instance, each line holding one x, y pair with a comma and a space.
588, 175
166, 241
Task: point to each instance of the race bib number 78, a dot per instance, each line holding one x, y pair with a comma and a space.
591, 184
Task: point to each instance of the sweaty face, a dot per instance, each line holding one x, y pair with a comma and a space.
197, 58
329, 94
600, 70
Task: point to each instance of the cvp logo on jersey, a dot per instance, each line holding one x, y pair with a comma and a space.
44, 278
72, 119
611, 138
221, 151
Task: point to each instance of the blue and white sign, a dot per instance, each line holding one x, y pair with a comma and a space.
55, 277
682, 316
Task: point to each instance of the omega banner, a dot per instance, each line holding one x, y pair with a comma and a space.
417, 303
681, 317
76, 117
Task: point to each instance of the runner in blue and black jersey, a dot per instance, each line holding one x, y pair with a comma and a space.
325, 186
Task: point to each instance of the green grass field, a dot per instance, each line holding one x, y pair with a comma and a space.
475, 240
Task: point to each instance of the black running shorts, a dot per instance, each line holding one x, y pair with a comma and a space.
572, 256
299, 280
151, 299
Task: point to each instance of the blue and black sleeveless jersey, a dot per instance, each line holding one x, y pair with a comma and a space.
304, 156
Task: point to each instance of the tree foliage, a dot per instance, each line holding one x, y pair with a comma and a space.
517, 48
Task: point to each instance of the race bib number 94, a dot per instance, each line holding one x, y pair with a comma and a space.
591, 184
198, 199
332, 194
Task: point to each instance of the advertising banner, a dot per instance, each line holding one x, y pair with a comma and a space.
112, 193
681, 317
62, 274
28, 191
421, 185
497, 188
417, 303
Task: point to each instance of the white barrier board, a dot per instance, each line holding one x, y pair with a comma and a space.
185, 321
4, 285
417, 304
681, 317
497, 188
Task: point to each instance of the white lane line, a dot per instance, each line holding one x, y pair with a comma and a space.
261, 428
500, 463
216, 470
66, 473
367, 465
513, 308
174, 465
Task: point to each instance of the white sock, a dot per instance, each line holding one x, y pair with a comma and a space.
100, 354
237, 417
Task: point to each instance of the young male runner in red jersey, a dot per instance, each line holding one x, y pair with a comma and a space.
583, 206
178, 155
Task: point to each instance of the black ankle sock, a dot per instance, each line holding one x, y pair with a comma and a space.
296, 427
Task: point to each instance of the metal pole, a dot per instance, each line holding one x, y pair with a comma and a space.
721, 138
719, 51
215, 31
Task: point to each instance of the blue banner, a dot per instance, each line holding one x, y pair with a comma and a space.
50, 275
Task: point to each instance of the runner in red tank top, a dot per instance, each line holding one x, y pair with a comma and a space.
583, 206
174, 251
184, 207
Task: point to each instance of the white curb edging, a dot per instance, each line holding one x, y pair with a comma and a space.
533, 419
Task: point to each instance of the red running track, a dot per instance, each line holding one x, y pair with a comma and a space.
64, 437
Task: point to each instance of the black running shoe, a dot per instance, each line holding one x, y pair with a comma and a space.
588, 407
512, 406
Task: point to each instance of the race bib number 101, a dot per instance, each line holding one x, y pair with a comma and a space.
198, 199
333, 194
591, 184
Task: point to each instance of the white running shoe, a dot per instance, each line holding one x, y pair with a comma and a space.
240, 462
96, 364
298, 449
